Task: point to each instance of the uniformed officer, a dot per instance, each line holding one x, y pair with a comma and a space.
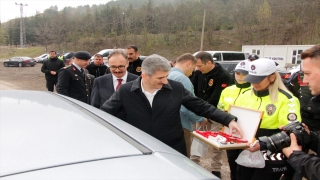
134, 60
74, 81
229, 96
268, 94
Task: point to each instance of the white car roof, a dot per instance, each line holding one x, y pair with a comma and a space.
104, 50
213, 52
63, 128
45, 135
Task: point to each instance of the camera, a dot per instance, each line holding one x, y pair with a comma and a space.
282, 139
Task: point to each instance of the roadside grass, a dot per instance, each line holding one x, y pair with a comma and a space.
7, 52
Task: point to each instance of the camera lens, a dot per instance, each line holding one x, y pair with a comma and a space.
280, 140
277, 141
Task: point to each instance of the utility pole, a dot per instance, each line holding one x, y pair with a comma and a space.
22, 28
202, 33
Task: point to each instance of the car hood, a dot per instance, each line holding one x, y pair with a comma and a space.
43, 129
160, 166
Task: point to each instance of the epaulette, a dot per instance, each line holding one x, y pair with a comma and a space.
289, 96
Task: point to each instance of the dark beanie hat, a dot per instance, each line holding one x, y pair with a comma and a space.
83, 55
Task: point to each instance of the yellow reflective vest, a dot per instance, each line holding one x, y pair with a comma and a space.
61, 57
277, 114
229, 96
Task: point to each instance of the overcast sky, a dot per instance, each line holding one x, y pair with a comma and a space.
9, 10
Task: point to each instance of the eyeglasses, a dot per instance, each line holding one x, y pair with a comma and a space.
121, 67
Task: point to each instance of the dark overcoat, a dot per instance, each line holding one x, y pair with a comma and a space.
162, 119
73, 83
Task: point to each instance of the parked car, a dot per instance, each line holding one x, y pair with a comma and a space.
40, 58
105, 53
43, 58
284, 73
20, 61
229, 66
143, 57
68, 139
68, 56
220, 56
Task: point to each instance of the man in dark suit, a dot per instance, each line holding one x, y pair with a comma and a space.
152, 104
105, 86
74, 81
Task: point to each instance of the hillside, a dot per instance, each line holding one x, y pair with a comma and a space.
169, 27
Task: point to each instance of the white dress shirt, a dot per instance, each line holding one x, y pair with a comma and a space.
115, 80
149, 96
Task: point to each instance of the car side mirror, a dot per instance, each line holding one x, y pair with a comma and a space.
214, 59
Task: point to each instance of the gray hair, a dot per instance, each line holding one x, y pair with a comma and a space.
155, 63
118, 52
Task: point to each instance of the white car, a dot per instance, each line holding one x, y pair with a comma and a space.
41, 58
44, 135
105, 53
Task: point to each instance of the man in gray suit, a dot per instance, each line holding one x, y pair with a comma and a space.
105, 86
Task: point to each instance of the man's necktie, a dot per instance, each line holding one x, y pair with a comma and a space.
82, 72
119, 83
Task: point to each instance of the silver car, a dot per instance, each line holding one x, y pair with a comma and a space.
45, 135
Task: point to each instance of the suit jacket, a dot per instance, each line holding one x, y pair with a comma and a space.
73, 83
162, 119
103, 88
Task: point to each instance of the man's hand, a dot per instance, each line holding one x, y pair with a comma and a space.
306, 128
235, 128
53, 72
204, 122
293, 147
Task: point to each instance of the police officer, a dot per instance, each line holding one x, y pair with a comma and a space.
308, 165
61, 57
228, 97
280, 107
74, 81
209, 80
134, 60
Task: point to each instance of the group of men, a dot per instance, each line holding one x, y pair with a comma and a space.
77, 80
162, 101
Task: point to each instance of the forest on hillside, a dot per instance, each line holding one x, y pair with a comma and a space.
170, 23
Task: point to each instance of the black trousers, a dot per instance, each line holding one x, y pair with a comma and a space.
272, 171
50, 83
232, 156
